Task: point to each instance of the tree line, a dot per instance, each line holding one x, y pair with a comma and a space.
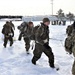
70, 16
6, 16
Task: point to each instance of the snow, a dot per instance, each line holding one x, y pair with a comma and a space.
15, 61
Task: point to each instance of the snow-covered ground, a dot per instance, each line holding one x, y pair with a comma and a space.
15, 61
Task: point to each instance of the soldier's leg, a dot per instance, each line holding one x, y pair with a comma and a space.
27, 43
37, 53
11, 40
50, 55
73, 69
20, 37
5, 41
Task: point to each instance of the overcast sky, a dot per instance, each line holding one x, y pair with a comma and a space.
34, 7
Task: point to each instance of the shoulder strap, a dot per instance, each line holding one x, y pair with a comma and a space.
42, 30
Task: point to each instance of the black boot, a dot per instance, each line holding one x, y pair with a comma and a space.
27, 49
4, 45
27, 52
11, 43
33, 62
52, 65
19, 39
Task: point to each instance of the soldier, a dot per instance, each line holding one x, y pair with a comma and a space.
69, 32
8, 34
71, 47
26, 33
73, 51
27, 36
42, 43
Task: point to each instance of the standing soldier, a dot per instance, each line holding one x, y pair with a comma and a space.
27, 36
70, 43
26, 32
71, 47
42, 43
69, 31
8, 34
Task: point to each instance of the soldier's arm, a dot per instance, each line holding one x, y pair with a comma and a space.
67, 29
13, 26
3, 30
12, 32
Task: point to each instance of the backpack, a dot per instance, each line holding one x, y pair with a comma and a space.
35, 29
6, 30
69, 30
23, 27
68, 44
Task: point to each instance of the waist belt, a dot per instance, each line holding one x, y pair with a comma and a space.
37, 42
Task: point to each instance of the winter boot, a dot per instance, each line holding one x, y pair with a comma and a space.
33, 61
4, 45
52, 65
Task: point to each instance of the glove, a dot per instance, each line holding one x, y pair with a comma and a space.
45, 41
70, 52
46, 46
13, 35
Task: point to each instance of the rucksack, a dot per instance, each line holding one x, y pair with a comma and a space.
6, 30
35, 29
69, 30
68, 44
23, 27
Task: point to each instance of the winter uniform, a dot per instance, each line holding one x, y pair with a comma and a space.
73, 51
26, 33
27, 37
69, 31
42, 45
71, 47
8, 34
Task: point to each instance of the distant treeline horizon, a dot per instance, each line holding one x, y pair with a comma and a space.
10, 16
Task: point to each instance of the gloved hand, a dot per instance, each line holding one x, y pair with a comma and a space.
13, 35
45, 41
46, 46
70, 52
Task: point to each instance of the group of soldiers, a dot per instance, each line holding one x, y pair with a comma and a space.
70, 43
39, 33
